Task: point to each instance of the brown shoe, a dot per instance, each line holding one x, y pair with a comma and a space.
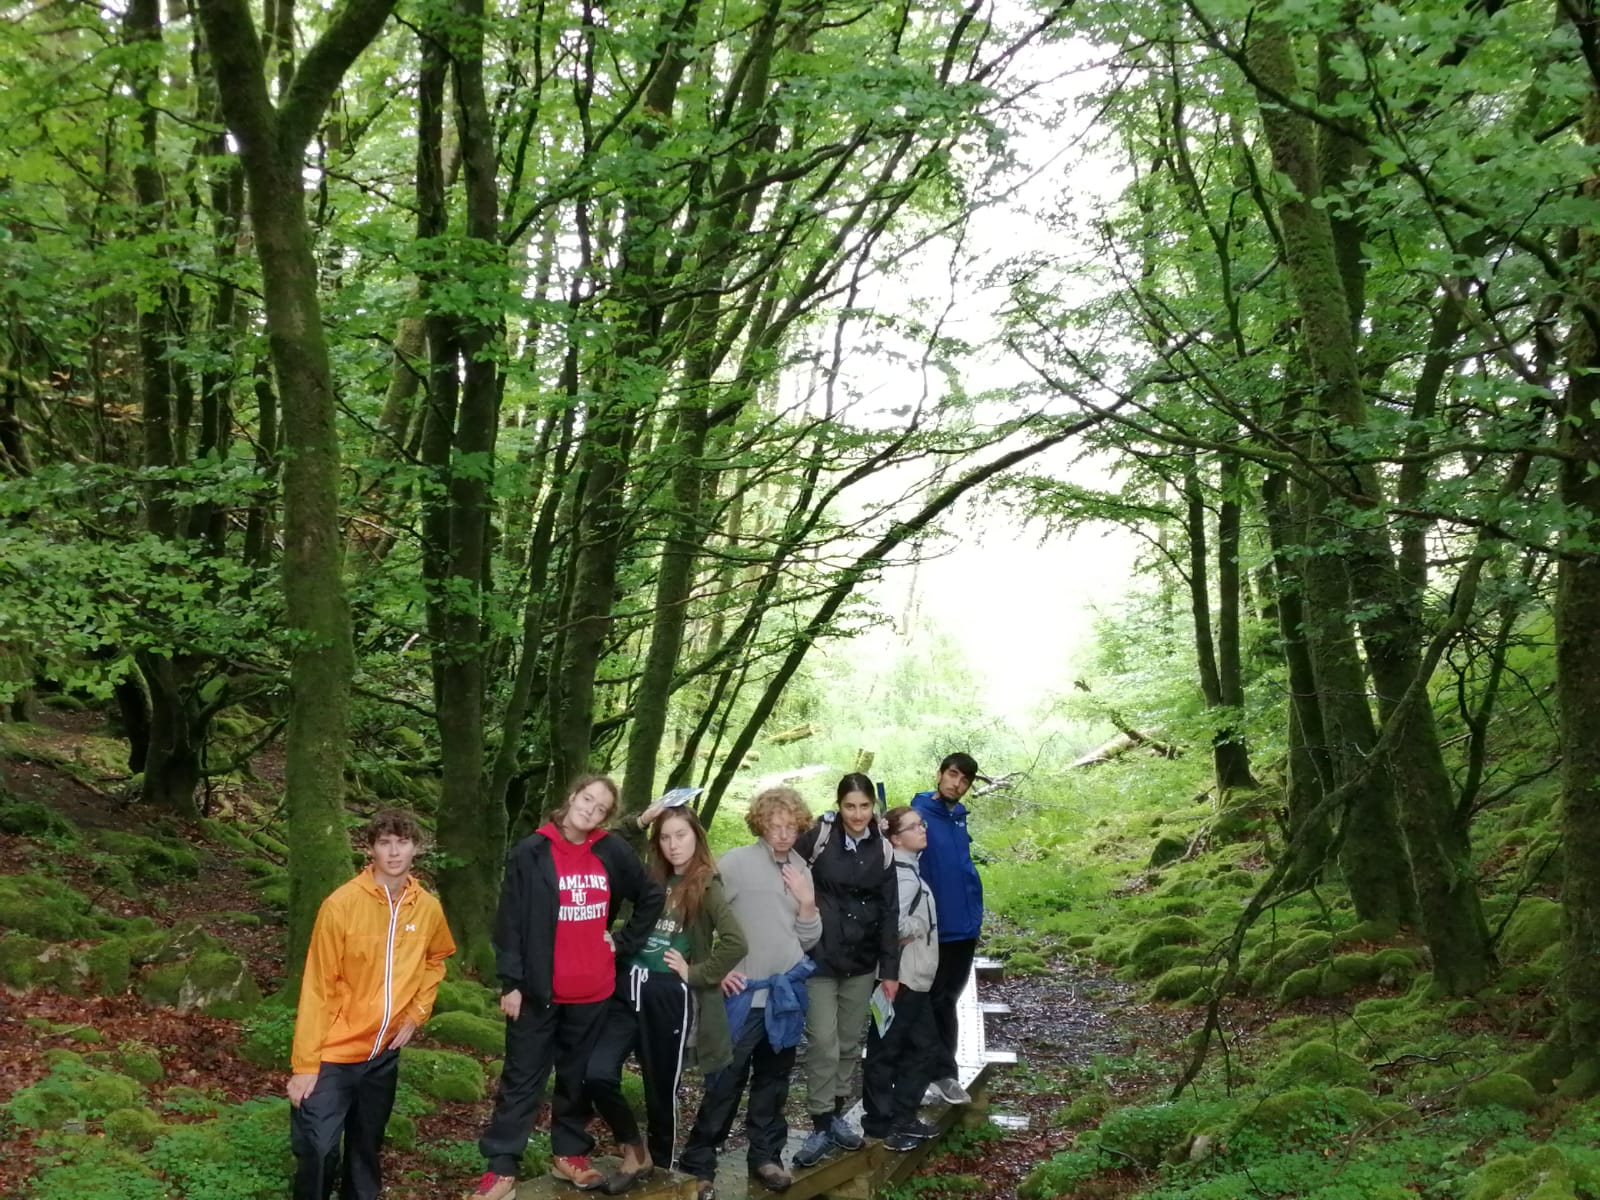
635, 1169
493, 1187
577, 1171
772, 1176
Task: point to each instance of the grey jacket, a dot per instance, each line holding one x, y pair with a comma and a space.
919, 924
775, 936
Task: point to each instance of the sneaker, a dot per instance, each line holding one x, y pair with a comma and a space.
772, 1176
901, 1142
949, 1090
622, 1179
818, 1146
575, 1169
493, 1187
916, 1128
844, 1135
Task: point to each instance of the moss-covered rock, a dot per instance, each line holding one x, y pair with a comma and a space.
149, 858
1503, 1089
462, 995
1284, 1112
1546, 1174
109, 965
136, 1128
1379, 930
184, 940
1305, 951
226, 835
469, 1031
139, 1064
1180, 983
26, 818
1357, 1103
20, 959
1025, 962
1162, 959
442, 1074
1397, 967
1358, 968
401, 1132
1169, 848
1533, 928
1318, 1062
1090, 1106
1300, 984
45, 908
1164, 931
214, 982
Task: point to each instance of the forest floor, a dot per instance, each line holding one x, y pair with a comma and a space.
1069, 1026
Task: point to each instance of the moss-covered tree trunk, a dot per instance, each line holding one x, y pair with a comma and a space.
1577, 628
461, 437
272, 142
1444, 881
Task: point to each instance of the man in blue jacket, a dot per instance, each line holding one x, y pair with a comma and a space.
958, 898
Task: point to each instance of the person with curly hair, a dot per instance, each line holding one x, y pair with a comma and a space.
769, 888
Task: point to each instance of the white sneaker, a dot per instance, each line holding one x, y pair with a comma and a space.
949, 1090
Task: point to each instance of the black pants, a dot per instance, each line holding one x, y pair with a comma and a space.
650, 1015
949, 981
899, 1065
350, 1103
767, 1071
559, 1035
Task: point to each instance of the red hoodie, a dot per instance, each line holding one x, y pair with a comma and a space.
585, 964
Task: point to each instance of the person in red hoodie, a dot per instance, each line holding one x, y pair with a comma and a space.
556, 956
372, 970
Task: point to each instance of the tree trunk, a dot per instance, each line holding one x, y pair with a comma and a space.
471, 825
1577, 645
271, 144
1443, 877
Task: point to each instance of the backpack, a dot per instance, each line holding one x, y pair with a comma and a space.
827, 821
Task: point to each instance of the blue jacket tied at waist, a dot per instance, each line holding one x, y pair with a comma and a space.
785, 1007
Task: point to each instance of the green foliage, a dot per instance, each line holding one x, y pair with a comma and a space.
136, 1128
157, 860
45, 908
251, 1139
1506, 1090
269, 1035
72, 1090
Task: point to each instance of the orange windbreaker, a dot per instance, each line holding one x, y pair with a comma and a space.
373, 963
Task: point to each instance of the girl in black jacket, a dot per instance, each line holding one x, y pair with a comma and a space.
556, 957
852, 867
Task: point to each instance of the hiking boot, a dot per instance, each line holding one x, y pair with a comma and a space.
818, 1146
575, 1169
844, 1135
921, 1130
706, 1191
493, 1187
949, 1090
901, 1141
772, 1176
635, 1169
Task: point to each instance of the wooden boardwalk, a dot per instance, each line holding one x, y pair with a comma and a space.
856, 1175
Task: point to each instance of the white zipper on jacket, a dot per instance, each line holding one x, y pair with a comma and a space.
388, 974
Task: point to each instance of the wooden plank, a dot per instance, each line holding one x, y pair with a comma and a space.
989, 970
994, 1008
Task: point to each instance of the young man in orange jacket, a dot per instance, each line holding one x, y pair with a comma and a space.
376, 958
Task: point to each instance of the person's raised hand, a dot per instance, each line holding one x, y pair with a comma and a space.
799, 884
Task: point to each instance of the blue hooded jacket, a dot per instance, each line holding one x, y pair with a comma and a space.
947, 866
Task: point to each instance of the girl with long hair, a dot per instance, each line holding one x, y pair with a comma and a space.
670, 998
853, 870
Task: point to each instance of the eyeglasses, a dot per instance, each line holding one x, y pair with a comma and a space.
911, 826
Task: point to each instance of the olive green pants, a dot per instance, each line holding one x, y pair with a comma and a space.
836, 1021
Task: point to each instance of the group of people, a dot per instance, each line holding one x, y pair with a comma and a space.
851, 926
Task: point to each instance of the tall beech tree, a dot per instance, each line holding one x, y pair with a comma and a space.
272, 143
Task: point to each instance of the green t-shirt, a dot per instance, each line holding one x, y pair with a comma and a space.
668, 934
